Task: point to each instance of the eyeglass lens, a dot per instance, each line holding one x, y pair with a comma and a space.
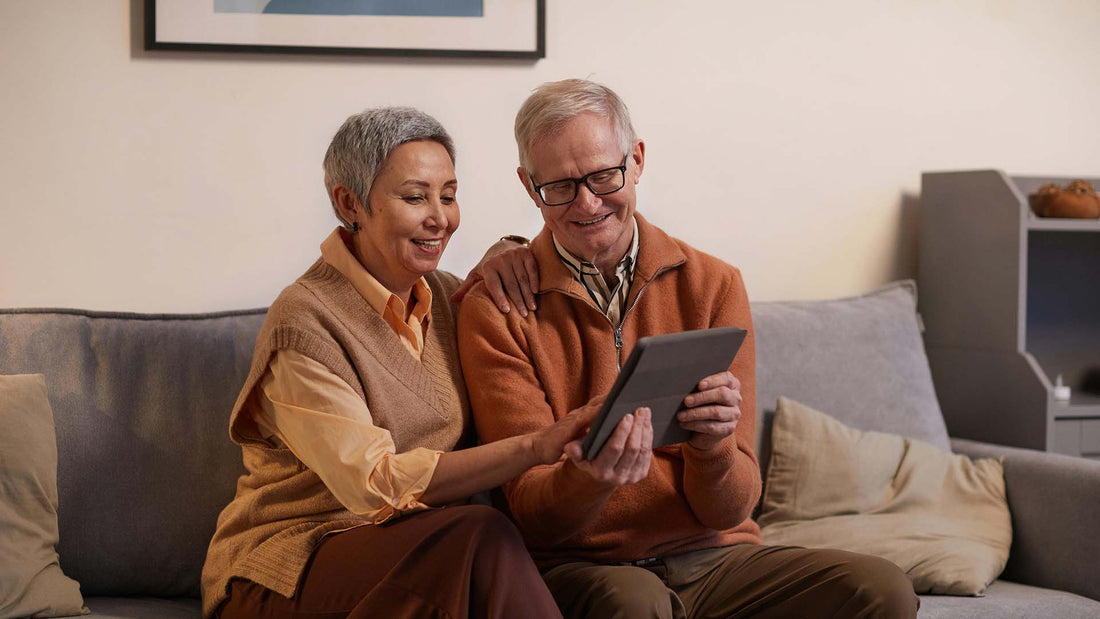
600, 183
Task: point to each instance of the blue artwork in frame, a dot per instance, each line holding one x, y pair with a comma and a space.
426, 28
437, 8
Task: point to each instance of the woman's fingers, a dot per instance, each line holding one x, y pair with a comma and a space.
532, 267
507, 277
511, 276
496, 291
523, 280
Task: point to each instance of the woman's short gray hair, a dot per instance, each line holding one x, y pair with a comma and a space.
553, 104
361, 145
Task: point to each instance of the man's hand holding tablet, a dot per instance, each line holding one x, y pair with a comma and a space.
625, 456
712, 413
683, 381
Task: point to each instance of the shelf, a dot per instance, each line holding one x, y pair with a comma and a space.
1010, 302
1027, 185
1080, 406
1056, 224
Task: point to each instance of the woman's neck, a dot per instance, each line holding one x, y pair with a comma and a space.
376, 267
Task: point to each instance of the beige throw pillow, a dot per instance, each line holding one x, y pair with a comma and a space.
31, 581
941, 517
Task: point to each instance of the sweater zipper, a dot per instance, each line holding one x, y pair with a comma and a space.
619, 329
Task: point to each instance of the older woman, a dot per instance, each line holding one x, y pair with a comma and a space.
354, 421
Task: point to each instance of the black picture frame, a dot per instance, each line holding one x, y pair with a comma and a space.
156, 39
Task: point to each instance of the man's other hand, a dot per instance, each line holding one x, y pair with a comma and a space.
712, 412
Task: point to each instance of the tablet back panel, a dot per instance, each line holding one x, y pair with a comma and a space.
660, 372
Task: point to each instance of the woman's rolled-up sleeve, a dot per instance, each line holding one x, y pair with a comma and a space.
325, 423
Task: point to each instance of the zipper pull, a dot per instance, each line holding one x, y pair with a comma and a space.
619, 348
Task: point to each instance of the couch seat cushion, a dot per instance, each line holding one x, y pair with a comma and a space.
1009, 600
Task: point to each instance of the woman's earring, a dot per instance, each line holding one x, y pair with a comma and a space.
354, 227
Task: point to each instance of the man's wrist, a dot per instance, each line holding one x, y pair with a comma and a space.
716, 457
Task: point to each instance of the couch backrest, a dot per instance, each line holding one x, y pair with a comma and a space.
141, 404
860, 360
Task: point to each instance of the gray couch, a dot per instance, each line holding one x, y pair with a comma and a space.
141, 404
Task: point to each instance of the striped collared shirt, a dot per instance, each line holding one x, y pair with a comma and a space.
610, 302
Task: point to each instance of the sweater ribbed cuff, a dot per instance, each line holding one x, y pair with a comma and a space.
720, 458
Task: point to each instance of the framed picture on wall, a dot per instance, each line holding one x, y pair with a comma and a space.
424, 28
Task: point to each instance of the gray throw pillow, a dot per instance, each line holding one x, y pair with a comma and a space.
31, 581
860, 358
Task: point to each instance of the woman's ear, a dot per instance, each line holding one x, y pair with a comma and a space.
346, 203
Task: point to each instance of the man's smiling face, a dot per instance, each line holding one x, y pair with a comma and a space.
598, 229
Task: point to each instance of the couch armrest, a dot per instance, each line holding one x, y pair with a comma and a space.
1055, 505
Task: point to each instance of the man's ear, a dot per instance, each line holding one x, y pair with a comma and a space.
346, 202
528, 184
638, 155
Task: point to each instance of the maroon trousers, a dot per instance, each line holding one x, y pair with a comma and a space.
453, 563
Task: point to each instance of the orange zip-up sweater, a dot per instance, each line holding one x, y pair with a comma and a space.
524, 373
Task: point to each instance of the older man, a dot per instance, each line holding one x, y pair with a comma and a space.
637, 532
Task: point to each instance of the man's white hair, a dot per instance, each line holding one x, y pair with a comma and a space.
553, 104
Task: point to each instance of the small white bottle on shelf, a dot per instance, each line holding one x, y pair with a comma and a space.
1062, 392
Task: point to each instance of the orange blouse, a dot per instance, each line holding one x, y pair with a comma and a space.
321, 419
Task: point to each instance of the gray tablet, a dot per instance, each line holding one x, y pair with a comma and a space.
660, 372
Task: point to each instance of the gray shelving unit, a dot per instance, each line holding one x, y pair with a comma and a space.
1009, 301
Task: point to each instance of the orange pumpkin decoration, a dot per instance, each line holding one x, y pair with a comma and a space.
1077, 200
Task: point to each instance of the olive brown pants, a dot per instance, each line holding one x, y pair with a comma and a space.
744, 580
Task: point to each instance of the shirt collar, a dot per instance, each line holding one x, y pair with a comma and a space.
578, 267
335, 252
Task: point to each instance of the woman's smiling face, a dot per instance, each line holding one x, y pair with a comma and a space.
413, 213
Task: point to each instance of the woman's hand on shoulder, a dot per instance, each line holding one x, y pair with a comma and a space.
511, 276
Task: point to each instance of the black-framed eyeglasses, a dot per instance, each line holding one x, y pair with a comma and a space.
600, 183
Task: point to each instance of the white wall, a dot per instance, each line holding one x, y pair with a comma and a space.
787, 138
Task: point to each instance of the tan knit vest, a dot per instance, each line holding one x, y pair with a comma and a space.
283, 509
